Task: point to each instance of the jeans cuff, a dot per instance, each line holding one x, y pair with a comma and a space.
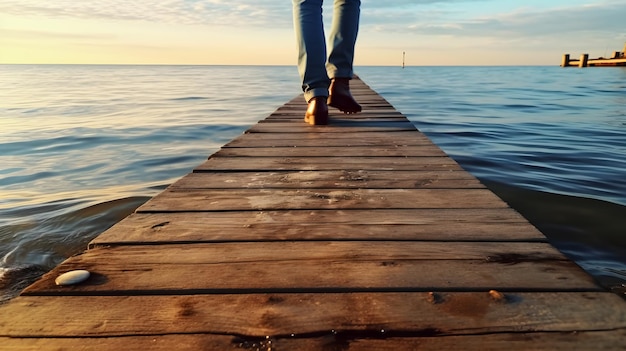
340, 73
308, 95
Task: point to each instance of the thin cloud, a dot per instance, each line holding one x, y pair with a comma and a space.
266, 13
395, 4
605, 17
20, 34
188, 12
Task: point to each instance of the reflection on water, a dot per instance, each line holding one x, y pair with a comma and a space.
44, 235
82, 146
588, 231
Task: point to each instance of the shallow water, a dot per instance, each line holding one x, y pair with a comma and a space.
82, 146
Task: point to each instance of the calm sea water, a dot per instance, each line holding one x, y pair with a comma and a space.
82, 146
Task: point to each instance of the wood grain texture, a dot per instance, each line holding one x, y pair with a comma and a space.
295, 115
335, 126
319, 276
325, 163
328, 180
173, 200
409, 138
321, 267
321, 151
536, 341
421, 224
506, 253
278, 315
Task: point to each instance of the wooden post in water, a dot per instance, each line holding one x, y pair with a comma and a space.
565, 60
584, 60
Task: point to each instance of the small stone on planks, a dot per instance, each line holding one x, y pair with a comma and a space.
72, 277
433, 298
497, 296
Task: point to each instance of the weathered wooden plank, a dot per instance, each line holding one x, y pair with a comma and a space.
355, 151
312, 199
330, 163
422, 224
293, 111
318, 276
366, 96
373, 103
335, 126
301, 314
317, 267
536, 341
159, 342
297, 117
329, 139
329, 180
369, 102
509, 253
294, 115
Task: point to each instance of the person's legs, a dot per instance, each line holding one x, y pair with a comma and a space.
343, 35
309, 28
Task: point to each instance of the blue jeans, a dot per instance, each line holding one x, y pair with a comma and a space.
314, 67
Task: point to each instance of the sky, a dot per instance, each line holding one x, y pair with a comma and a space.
260, 32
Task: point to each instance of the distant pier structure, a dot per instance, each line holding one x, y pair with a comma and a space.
617, 59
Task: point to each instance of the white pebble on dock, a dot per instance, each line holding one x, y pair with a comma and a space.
72, 277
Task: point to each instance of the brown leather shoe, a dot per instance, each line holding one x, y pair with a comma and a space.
340, 96
317, 111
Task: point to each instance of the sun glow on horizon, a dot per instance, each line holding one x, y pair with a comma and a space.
248, 33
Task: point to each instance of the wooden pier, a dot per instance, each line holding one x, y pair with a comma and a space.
359, 235
617, 59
